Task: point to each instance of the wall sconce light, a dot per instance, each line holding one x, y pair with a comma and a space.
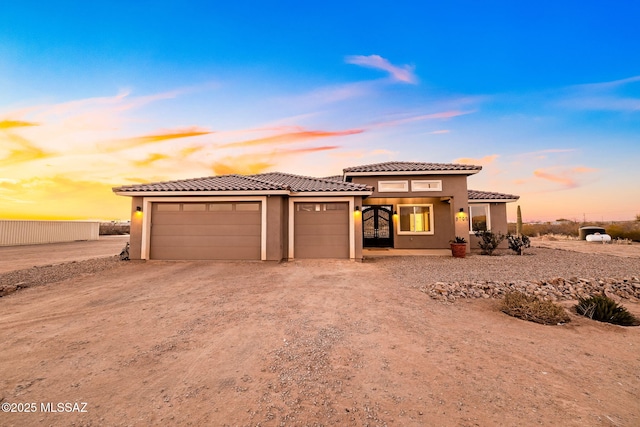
395, 213
138, 209
357, 208
462, 216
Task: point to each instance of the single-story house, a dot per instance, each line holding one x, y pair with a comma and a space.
275, 216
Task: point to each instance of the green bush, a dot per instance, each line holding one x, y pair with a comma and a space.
518, 243
489, 241
604, 309
533, 309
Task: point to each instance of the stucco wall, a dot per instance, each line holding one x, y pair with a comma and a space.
276, 229
446, 203
135, 231
498, 215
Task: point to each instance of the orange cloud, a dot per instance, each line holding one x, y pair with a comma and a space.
23, 151
291, 137
127, 143
8, 124
259, 162
151, 158
483, 161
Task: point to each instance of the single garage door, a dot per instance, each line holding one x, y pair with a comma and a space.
321, 230
198, 231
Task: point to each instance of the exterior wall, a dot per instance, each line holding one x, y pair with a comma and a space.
498, 215
135, 231
357, 223
18, 232
276, 229
446, 203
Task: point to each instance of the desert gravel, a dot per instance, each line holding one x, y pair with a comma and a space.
537, 264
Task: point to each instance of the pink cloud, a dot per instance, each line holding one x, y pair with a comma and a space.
443, 115
402, 73
566, 177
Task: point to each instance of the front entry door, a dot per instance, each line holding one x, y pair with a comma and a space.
377, 226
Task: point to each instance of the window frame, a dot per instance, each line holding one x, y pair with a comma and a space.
404, 189
487, 206
415, 183
416, 233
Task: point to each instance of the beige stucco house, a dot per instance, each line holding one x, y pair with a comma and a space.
275, 216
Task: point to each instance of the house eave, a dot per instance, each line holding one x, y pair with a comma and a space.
202, 193
387, 173
493, 200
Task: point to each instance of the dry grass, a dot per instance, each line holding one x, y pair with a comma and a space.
526, 307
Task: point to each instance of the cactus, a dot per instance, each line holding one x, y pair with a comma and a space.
519, 222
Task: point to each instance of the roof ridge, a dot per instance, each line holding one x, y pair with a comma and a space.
264, 181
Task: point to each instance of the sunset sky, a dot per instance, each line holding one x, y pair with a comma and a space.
544, 95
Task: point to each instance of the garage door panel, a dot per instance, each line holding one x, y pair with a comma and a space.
315, 218
206, 241
206, 230
206, 218
200, 253
322, 230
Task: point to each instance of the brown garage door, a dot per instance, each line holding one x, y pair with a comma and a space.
205, 231
321, 230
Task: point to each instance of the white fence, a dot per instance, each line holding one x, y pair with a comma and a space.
19, 232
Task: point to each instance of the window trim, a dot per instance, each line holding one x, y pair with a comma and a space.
405, 186
418, 233
417, 182
488, 207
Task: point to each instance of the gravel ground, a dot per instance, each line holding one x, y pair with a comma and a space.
536, 264
41, 275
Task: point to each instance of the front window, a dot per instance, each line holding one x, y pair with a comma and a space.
479, 218
416, 219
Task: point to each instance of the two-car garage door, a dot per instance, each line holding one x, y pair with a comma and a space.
206, 231
233, 230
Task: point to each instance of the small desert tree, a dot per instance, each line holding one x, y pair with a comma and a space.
489, 241
518, 243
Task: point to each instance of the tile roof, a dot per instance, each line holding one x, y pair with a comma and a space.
274, 181
299, 183
212, 183
412, 167
488, 195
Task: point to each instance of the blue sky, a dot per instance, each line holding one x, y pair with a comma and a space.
545, 96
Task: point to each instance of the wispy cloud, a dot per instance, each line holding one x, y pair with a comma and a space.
252, 163
566, 177
291, 137
20, 150
482, 161
443, 115
439, 132
160, 136
9, 124
604, 96
402, 73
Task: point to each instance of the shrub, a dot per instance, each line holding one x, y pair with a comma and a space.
604, 309
533, 309
458, 239
518, 243
489, 241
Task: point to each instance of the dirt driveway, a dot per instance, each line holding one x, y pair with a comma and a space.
19, 257
300, 343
